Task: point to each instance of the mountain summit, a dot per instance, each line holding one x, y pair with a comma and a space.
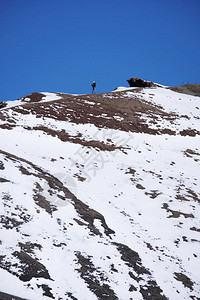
100, 195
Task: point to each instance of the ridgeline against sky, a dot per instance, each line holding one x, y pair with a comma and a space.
63, 46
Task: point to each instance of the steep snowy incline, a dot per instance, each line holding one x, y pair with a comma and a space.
100, 196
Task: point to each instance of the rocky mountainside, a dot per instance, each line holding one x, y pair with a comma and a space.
100, 196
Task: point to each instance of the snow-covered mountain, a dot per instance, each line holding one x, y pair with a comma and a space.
100, 196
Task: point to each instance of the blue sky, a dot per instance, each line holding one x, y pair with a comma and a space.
63, 45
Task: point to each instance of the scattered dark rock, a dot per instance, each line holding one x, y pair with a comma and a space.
195, 229
53, 159
38, 187
22, 213
150, 290
89, 215
192, 152
30, 267
153, 194
3, 104
24, 171
60, 244
29, 247
140, 187
193, 195
70, 296
7, 126
132, 288
1, 165
130, 171
41, 201
26, 269
79, 222
80, 178
8, 222
47, 290
4, 296
149, 246
185, 280
168, 131
112, 267
4, 180
132, 259
184, 238
87, 271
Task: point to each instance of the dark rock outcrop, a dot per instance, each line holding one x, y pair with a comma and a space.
137, 82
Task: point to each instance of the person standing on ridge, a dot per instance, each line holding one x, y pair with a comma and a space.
93, 87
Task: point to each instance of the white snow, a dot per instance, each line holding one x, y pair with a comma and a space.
112, 186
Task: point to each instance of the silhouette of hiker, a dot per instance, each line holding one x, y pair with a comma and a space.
93, 87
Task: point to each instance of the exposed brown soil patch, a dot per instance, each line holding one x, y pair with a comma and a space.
193, 195
176, 214
189, 132
34, 97
7, 126
24, 170
140, 187
130, 171
186, 194
80, 178
65, 137
113, 110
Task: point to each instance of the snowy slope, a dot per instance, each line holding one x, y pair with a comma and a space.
100, 196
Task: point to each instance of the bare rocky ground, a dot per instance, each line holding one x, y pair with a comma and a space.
113, 110
190, 89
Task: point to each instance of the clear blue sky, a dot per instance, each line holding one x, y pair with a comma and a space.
63, 45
